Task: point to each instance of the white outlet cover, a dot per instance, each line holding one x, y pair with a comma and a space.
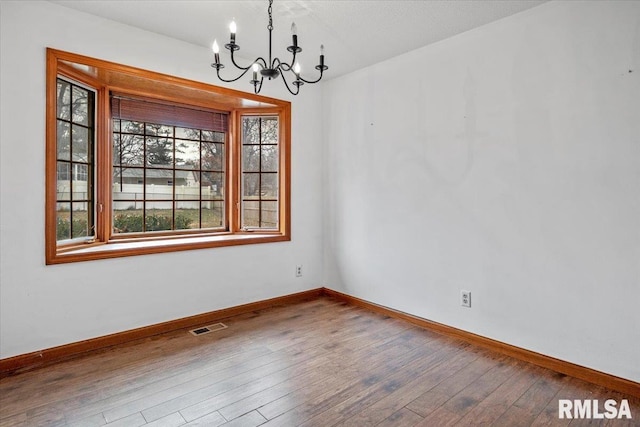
465, 298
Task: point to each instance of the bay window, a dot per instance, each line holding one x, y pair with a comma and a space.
139, 162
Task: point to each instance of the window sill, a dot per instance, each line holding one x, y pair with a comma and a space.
115, 248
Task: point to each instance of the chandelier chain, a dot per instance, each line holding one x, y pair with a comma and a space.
270, 26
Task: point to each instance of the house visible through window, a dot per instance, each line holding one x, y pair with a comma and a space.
139, 162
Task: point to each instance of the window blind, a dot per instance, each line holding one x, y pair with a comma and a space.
144, 110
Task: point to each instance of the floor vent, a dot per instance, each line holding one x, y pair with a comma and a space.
207, 329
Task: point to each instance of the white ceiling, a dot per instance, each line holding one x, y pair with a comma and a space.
355, 33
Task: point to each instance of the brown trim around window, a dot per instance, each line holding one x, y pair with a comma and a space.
106, 78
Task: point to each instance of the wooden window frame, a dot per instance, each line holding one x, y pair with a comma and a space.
108, 77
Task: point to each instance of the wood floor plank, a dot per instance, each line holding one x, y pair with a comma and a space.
180, 383
14, 420
96, 420
441, 418
313, 374
316, 363
376, 390
364, 363
133, 420
168, 401
499, 401
171, 420
125, 362
471, 396
402, 418
429, 378
213, 419
251, 419
538, 396
366, 376
187, 400
232, 395
452, 385
514, 417
194, 384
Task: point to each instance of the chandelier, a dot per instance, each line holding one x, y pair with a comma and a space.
272, 68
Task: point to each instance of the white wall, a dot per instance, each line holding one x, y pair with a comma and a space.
44, 306
504, 161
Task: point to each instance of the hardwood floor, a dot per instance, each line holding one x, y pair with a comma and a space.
316, 363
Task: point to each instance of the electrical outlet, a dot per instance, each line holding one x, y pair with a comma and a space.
465, 298
298, 271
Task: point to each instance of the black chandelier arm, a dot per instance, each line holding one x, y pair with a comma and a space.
233, 61
277, 64
313, 81
283, 66
259, 59
287, 86
225, 80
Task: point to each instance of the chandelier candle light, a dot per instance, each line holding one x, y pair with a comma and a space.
270, 69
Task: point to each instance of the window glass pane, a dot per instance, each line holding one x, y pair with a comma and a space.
180, 174
251, 186
211, 136
251, 214
127, 183
212, 214
269, 212
186, 186
63, 97
64, 141
159, 216
212, 156
185, 133
159, 130
127, 126
160, 152
63, 221
81, 143
80, 220
269, 130
116, 149
64, 182
115, 125
251, 130
251, 158
132, 147
212, 185
159, 184
187, 155
269, 158
81, 189
187, 215
269, 188
79, 106
127, 217
188, 179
